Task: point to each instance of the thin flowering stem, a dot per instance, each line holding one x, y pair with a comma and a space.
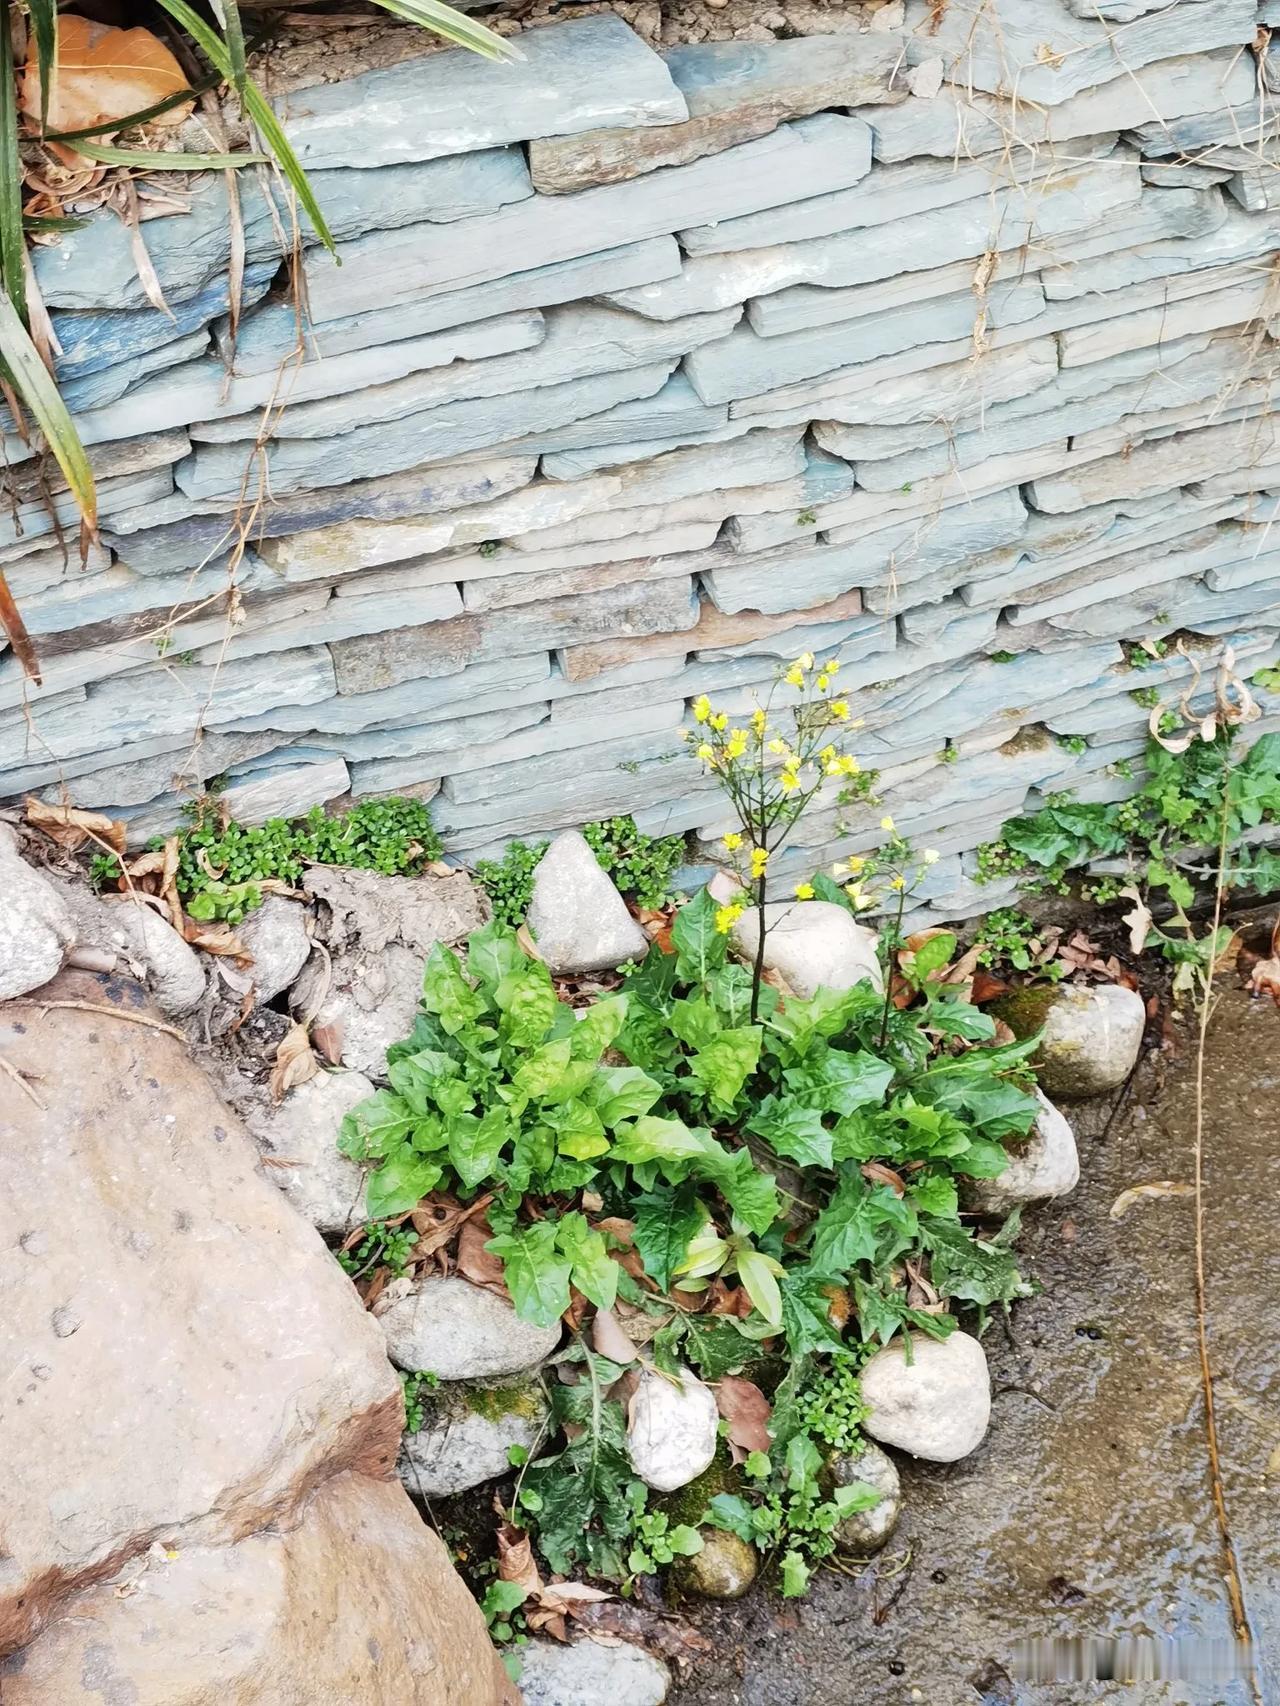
888, 970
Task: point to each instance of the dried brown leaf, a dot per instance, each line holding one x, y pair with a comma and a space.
515, 1559
327, 1042
295, 1062
1138, 918
71, 828
876, 1173
667, 1637
746, 1409
476, 1263
103, 74
1158, 1188
610, 1340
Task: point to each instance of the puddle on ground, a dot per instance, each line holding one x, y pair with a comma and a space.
1088, 1511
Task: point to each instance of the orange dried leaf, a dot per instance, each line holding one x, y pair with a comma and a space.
71, 828
295, 1062
746, 1409
104, 74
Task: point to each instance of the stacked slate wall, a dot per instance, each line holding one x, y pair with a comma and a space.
945, 350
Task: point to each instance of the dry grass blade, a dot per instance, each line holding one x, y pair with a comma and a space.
154, 160
454, 26
16, 629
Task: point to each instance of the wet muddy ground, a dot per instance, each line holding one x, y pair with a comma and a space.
1087, 1512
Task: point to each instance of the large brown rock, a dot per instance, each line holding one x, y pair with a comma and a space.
353, 1604
186, 1365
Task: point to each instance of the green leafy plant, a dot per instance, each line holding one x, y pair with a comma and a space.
640, 865
385, 1246
417, 1387
222, 864
508, 881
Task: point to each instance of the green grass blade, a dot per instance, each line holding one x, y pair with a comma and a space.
227, 12
215, 50
454, 26
34, 384
158, 162
47, 223
12, 240
44, 26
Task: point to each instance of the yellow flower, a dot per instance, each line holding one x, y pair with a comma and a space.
788, 781
897, 882
733, 841
794, 676
758, 721
886, 823
849, 765
855, 864
827, 755
854, 892
737, 743
701, 708
804, 891
824, 681
805, 660
728, 916
931, 855
706, 753
719, 722
840, 710
831, 666
778, 746
759, 861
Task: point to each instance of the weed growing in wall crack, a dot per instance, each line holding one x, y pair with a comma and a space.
641, 866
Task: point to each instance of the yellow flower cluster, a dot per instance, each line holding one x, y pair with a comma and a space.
728, 916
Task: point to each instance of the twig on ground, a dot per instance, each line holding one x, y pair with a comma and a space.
20, 1079
106, 1012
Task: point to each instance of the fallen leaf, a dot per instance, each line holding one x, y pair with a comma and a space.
327, 1042
986, 988
476, 1263
1265, 979
1138, 918
515, 1559
610, 1340
659, 1633
746, 1409
1158, 1188
218, 938
525, 938
295, 1062
879, 1174
439, 1217
71, 827
104, 74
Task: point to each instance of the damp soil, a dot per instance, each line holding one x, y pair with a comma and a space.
1087, 1513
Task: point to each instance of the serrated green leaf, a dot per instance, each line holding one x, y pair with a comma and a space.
623, 1093
537, 1275
401, 1182
723, 1065
793, 1130
932, 956
666, 1219
475, 1145
838, 1081
447, 995
528, 1005
652, 1139
700, 947
493, 953
591, 1036
376, 1126
595, 1273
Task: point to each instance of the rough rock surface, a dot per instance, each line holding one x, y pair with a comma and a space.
671, 1429
813, 944
587, 1673
1091, 1035
35, 925
299, 1142
578, 919
275, 933
453, 1329
466, 1434
938, 1405
350, 1600
371, 1002
1047, 1165
372, 910
147, 944
724, 1569
866, 1531
188, 1364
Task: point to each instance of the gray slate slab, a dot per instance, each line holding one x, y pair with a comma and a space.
407, 653
270, 333
189, 542
1005, 52
570, 77
745, 364
826, 152
299, 464
528, 350
94, 267
735, 91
